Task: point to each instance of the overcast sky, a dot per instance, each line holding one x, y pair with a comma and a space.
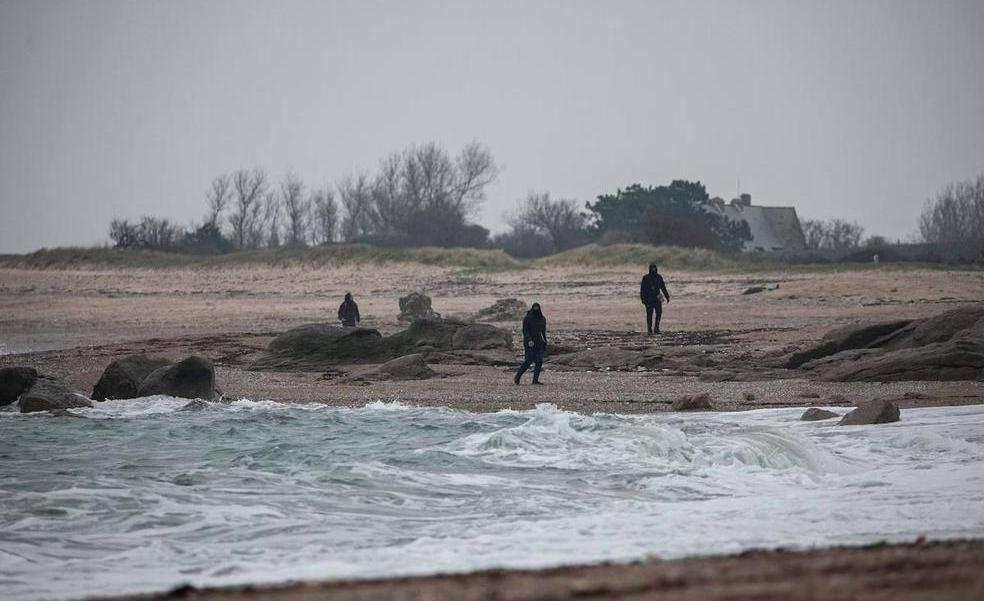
859, 110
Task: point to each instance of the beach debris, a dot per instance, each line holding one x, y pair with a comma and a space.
760, 288
814, 414
14, 381
191, 378
504, 309
876, 411
748, 396
50, 394
416, 306
696, 402
122, 378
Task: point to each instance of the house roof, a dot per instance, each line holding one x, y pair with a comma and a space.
772, 228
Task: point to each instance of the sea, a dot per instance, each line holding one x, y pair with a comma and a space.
150, 494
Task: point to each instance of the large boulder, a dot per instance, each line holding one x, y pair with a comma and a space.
319, 346
857, 336
14, 381
191, 378
123, 377
50, 394
314, 346
815, 414
871, 412
481, 337
408, 367
948, 346
416, 305
610, 358
961, 359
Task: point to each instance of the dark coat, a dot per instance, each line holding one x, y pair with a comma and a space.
348, 313
651, 286
535, 329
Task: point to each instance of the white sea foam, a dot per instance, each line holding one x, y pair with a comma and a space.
143, 495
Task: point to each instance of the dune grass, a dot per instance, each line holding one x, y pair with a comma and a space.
591, 256
342, 254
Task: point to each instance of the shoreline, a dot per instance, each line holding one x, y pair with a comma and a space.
917, 570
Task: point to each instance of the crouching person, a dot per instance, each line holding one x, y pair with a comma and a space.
534, 343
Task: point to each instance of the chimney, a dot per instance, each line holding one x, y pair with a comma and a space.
746, 200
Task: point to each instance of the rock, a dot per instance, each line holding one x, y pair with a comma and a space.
318, 346
814, 414
961, 359
748, 396
194, 405
481, 337
845, 338
809, 395
50, 394
871, 412
408, 367
123, 377
416, 305
697, 402
609, 357
191, 378
504, 309
14, 381
315, 346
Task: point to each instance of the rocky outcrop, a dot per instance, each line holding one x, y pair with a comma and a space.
480, 337
871, 412
846, 338
697, 402
122, 378
815, 414
758, 289
14, 381
416, 305
504, 309
316, 347
948, 346
50, 394
609, 358
192, 378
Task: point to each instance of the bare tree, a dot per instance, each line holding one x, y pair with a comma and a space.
250, 188
561, 220
356, 197
833, 234
271, 218
324, 215
218, 196
956, 214
122, 233
295, 207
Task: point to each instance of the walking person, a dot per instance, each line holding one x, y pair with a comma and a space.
534, 343
348, 312
649, 292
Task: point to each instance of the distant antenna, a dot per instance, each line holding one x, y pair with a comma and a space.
738, 192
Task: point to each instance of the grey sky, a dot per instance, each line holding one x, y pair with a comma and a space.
858, 110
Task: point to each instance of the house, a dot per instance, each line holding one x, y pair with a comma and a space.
773, 229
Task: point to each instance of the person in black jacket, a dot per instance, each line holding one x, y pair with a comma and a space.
649, 292
348, 312
534, 343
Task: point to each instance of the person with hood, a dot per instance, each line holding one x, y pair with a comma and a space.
652, 286
534, 343
348, 312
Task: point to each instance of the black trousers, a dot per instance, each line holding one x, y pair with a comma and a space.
533, 356
653, 311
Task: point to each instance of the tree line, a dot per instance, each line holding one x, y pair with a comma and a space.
424, 196
421, 196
